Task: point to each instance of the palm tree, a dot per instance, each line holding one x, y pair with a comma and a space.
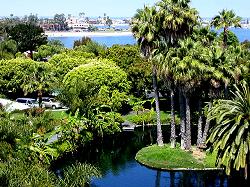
175, 20
165, 68
230, 137
226, 19
145, 31
189, 74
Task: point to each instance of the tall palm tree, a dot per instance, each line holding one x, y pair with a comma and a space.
165, 68
146, 32
226, 19
175, 20
230, 137
189, 74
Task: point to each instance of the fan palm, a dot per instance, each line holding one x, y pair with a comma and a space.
175, 20
226, 19
146, 32
231, 136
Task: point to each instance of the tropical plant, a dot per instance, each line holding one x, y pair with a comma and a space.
78, 175
146, 32
225, 20
177, 21
230, 136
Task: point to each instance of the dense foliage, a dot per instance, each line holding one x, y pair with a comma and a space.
27, 36
230, 137
95, 84
129, 59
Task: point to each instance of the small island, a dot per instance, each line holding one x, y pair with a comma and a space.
166, 158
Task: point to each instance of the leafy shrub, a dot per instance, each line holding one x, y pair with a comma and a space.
34, 112
17, 172
92, 85
82, 41
6, 151
78, 175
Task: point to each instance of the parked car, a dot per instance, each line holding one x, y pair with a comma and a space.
10, 106
49, 102
28, 101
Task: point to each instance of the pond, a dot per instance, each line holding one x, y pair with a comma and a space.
114, 156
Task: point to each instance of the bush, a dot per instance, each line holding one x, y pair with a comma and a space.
78, 175
34, 112
6, 151
95, 84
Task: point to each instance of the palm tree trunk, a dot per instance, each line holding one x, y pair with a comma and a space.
173, 135
206, 128
157, 108
199, 134
225, 37
188, 122
40, 94
183, 120
226, 90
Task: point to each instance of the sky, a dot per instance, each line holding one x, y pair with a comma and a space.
113, 8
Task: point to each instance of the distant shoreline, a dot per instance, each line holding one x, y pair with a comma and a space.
90, 34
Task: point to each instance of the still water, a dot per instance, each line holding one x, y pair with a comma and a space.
114, 156
242, 34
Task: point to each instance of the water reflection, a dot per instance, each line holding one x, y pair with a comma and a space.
115, 158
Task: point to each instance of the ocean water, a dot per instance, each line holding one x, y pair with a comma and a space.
242, 34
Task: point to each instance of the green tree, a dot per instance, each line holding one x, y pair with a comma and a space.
27, 37
231, 38
129, 59
60, 19
8, 49
230, 136
93, 85
44, 52
22, 76
109, 21
226, 19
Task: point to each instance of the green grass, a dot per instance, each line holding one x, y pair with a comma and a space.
54, 114
168, 158
59, 114
165, 118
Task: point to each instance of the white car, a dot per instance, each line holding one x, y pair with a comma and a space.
49, 102
28, 101
10, 106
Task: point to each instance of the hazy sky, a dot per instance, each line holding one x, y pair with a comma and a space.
113, 8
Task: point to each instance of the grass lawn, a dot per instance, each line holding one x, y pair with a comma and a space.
165, 117
54, 114
59, 114
169, 159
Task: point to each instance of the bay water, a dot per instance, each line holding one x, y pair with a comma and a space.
242, 34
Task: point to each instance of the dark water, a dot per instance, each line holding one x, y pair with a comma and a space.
115, 158
242, 34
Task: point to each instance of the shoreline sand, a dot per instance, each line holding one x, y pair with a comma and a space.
90, 34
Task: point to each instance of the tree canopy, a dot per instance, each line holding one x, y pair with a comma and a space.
27, 37
95, 84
